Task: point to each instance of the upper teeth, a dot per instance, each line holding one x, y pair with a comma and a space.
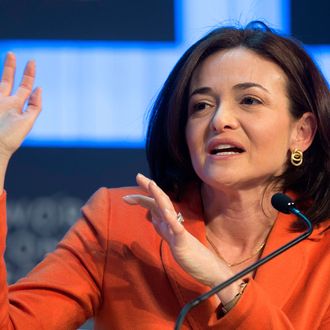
224, 146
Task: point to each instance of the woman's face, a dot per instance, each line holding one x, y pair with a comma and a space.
239, 129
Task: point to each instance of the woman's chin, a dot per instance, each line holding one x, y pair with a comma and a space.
232, 183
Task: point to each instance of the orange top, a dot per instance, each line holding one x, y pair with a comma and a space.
113, 266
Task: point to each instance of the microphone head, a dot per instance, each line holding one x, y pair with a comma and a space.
282, 203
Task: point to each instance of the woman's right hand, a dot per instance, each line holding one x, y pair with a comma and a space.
15, 121
194, 257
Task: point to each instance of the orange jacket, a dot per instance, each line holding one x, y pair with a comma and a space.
113, 266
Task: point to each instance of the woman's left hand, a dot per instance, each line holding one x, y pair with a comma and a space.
195, 258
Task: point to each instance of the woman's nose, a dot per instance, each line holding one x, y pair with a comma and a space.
224, 118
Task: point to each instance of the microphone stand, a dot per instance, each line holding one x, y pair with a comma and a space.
199, 299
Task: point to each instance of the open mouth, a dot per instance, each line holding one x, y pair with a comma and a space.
226, 150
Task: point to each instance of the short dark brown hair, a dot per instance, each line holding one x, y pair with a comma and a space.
308, 91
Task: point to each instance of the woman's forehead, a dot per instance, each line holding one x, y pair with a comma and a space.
236, 66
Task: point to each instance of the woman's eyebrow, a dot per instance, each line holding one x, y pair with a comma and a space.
247, 85
240, 86
201, 90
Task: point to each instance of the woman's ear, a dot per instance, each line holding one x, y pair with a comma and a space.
304, 132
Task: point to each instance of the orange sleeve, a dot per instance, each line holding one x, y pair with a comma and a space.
326, 322
3, 273
64, 290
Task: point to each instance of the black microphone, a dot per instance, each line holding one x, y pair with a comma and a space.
281, 203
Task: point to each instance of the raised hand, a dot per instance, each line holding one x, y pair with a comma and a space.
15, 121
195, 258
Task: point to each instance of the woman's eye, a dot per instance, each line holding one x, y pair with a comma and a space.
249, 100
200, 106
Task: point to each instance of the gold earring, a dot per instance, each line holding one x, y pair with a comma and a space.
296, 157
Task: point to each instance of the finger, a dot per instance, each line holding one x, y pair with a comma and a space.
34, 104
25, 88
166, 208
163, 201
146, 202
136, 199
35, 99
146, 183
8, 74
161, 226
156, 218
143, 181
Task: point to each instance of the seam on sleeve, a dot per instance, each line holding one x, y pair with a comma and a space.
107, 237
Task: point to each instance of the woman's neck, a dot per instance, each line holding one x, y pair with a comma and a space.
245, 217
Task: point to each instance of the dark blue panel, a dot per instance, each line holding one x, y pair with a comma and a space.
309, 21
78, 172
130, 20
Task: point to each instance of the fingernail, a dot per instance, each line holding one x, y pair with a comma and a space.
129, 199
139, 175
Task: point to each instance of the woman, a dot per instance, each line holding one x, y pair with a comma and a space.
244, 114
